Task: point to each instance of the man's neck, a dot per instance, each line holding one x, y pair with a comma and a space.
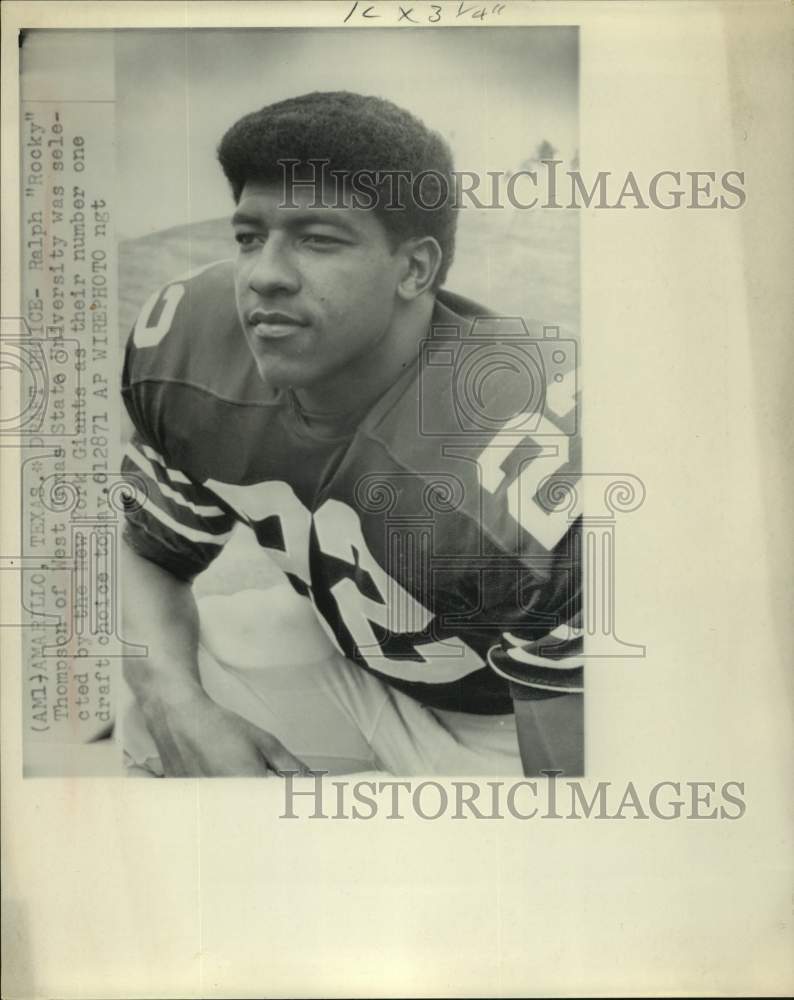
357, 386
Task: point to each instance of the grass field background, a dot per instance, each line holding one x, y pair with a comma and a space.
519, 263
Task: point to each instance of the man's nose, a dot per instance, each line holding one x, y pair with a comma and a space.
274, 270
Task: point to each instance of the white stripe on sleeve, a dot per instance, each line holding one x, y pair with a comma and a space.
565, 663
173, 474
192, 534
134, 455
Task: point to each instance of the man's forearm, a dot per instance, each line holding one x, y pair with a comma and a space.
551, 734
159, 613
194, 735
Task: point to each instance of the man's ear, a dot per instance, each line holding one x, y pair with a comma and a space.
423, 258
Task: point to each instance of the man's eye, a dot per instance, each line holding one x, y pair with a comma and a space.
318, 239
245, 239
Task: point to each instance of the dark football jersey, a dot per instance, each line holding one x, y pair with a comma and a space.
435, 533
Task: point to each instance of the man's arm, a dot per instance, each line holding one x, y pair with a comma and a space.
193, 734
546, 685
175, 527
551, 734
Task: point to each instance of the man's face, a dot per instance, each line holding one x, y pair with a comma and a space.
316, 287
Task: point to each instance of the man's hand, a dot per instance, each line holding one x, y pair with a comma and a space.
197, 737
193, 734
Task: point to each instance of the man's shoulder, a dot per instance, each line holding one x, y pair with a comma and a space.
477, 373
489, 414
188, 333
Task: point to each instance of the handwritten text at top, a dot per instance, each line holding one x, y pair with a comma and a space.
422, 13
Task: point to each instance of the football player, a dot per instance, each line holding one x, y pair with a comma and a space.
403, 455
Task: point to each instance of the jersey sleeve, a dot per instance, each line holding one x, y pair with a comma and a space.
540, 653
170, 519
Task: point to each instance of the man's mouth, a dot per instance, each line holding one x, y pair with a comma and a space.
274, 325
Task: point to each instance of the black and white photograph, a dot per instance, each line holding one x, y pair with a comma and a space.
387, 477
394, 412
382, 433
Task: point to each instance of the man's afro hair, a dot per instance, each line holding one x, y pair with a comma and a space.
353, 133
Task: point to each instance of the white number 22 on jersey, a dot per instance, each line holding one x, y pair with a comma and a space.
339, 534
